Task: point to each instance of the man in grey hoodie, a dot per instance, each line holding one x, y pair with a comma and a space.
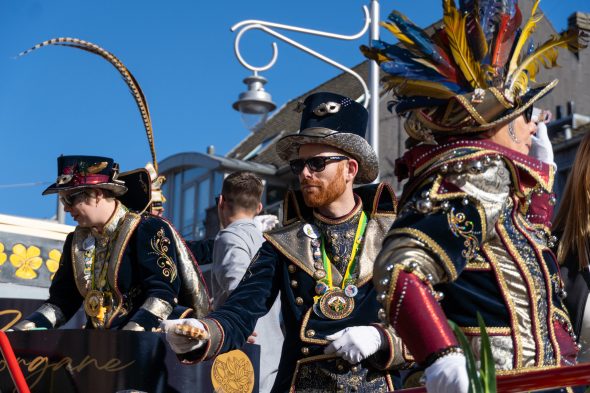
235, 246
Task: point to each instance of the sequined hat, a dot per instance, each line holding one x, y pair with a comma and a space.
334, 120
76, 172
476, 72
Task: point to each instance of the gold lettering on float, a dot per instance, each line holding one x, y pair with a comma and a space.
40, 365
17, 317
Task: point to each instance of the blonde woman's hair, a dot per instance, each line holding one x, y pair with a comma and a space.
573, 216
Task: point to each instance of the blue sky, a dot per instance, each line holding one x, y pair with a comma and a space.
60, 100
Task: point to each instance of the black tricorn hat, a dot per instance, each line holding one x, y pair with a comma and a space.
139, 189
77, 172
334, 120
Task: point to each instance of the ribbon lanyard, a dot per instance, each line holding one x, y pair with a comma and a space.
352, 261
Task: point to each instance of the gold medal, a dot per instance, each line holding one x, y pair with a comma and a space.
93, 303
334, 304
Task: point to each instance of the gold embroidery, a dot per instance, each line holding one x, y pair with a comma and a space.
463, 228
160, 245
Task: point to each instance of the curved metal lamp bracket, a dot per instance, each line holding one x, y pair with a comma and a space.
247, 25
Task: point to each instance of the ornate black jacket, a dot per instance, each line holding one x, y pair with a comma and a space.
473, 226
150, 272
284, 265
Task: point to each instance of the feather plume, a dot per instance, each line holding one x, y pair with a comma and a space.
527, 30
489, 10
397, 33
505, 37
475, 35
129, 79
422, 42
410, 88
455, 30
546, 55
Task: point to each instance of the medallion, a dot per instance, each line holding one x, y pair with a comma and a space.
334, 304
93, 303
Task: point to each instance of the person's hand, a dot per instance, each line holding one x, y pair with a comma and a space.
447, 374
541, 147
266, 222
252, 338
355, 343
179, 337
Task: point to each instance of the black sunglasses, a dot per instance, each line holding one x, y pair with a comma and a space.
70, 199
528, 114
314, 164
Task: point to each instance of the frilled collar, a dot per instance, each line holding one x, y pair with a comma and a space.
340, 220
112, 224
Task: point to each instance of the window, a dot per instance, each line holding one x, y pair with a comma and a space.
188, 212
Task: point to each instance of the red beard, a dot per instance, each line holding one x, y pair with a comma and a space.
324, 193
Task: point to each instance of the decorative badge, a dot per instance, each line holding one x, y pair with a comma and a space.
334, 304
321, 287
89, 243
311, 231
351, 290
93, 303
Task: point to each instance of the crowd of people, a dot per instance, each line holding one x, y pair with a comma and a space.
353, 289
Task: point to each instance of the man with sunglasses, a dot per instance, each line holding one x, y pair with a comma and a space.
320, 262
129, 270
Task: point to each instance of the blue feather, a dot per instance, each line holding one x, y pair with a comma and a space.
415, 71
414, 103
489, 11
418, 36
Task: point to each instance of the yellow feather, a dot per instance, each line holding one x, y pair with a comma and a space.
411, 88
455, 28
546, 54
520, 84
527, 30
397, 32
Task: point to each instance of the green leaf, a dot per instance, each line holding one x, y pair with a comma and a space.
475, 385
488, 367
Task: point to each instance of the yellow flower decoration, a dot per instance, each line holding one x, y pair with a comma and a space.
53, 262
2, 254
26, 260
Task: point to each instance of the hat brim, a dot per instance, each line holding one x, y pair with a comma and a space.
354, 145
139, 191
116, 189
532, 96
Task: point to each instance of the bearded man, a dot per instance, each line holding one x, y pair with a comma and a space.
320, 261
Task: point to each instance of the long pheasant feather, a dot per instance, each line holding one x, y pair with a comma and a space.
129, 79
455, 31
527, 30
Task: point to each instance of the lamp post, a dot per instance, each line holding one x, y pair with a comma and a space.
370, 97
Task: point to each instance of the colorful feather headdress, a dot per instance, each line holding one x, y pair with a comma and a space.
475, 73
136, 92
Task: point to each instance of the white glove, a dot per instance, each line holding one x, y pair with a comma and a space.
266, 222
179, 342
541, 147
447, 374
356, 343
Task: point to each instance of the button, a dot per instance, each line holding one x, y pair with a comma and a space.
354, 369
305, 351
292, 269
294, 284
340, 367
310, 333
298, 301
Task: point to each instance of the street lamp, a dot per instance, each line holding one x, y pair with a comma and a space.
255, 103
370, 97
